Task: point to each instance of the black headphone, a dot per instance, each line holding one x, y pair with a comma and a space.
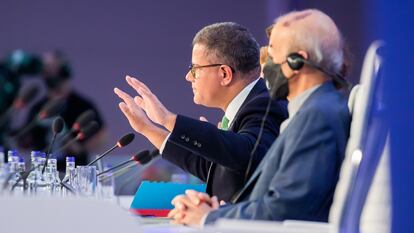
296, 61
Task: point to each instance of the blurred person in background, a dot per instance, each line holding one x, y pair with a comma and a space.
57, 77
263, 58
14, 69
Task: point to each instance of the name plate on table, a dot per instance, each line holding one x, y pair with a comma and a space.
154, 198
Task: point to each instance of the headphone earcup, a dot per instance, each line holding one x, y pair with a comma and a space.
295, 61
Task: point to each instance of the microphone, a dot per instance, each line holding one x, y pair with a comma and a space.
87, 132
80, 122
142, 158
50, 109
26, 96
143, 161
124, 141
125, 169
154, 154
83, 119
57, 127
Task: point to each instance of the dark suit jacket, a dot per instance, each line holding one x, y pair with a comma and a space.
297, 178
220, 157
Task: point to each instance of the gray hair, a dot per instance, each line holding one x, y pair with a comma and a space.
321, 40
231, 44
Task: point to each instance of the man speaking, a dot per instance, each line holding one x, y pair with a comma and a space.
297, 177
224, 74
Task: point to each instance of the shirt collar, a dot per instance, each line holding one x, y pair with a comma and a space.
297, 102
237, 101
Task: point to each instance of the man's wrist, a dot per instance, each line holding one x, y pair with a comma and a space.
155, 134
147, 128
170, 120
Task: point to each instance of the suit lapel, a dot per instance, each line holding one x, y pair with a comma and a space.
258, 88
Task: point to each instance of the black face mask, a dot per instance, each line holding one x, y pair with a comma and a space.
53, 82
276, 81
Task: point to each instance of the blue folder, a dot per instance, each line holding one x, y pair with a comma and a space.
158, 195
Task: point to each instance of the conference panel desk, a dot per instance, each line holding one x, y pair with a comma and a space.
85, 215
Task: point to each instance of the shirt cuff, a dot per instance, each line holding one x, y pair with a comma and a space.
164, 143
203, 220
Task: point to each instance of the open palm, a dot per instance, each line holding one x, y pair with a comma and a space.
154, 109
135, 115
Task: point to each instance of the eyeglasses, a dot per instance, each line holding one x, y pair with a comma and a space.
192, 68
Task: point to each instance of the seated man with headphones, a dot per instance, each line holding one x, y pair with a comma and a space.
297, 177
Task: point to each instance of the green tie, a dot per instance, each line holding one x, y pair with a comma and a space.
225, 123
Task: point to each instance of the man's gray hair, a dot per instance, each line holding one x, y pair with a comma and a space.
322, 41
231, 44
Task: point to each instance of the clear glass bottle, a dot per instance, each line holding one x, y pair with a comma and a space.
2, 159
35, 183
42, 159
12, 160
33, 155
106, 184
3, 168
69, 175
16, 183
43, 185
51, 177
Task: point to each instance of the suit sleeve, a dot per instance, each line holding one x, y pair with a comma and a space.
304, 182
189, 162
192, 138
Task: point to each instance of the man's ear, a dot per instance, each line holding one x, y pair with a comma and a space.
305, 56
226, 75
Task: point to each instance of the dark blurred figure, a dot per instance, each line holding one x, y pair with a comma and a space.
13, 68
8, 92
57, 77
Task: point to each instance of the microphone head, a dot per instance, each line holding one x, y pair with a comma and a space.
51, 109
26, 95
58, 125
142, 157
154, 153
88, 131
125, 140
83, 119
